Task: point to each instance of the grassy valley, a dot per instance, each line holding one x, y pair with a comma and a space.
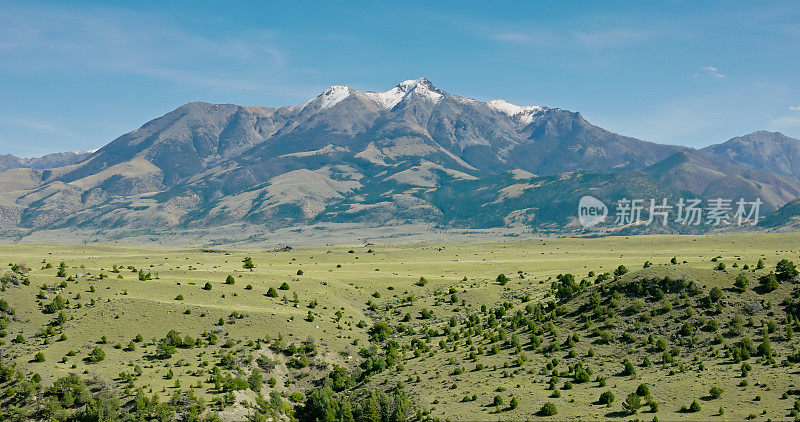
648, 327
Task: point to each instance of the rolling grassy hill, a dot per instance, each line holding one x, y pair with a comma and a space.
430, 329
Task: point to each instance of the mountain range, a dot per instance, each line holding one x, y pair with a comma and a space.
413, 155
58, 159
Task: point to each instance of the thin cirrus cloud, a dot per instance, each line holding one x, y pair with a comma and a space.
126, 42
41, 126
794, 108
596, 39
710, 71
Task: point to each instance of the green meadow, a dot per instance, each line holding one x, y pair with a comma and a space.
433, 320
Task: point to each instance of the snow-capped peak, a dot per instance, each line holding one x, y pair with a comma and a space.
410, 84
523, 113
334, 95
421, 86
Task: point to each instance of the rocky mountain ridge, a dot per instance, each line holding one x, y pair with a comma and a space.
414, 154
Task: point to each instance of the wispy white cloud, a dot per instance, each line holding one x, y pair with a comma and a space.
710, 71
794, 108
41, 126
603, 38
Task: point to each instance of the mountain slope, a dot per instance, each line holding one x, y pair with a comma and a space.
708, 176
786, 218
769, 151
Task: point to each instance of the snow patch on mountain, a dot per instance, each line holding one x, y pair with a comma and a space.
387, 99
334, 95
523, 113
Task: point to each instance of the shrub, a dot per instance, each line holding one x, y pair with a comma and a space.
39, 357
620, 271
502, 279
165, 350
498, 401
769, 282
764, 349
716, 392
255, 381
785, 270
230, 280
643, 390
284, 286
581, 375
207, 286
606, 398
741, 282
694, 407
715, 294
548, 409
632, 403
272, 292
628, 368
97, 354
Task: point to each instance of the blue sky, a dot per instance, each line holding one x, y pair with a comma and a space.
75, 75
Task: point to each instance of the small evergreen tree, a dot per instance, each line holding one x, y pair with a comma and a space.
628, 368
785, 270
741, 282
632, 403
96, 355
